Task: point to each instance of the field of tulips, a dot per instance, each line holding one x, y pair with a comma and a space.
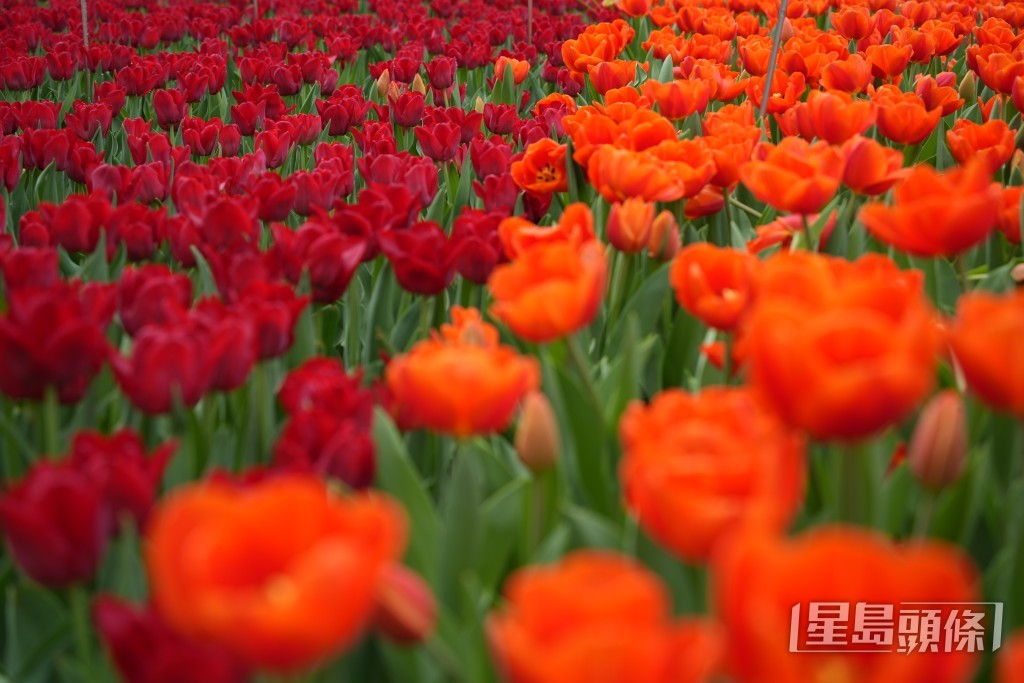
535, 342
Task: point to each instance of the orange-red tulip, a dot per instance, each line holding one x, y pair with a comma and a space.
834, 117
936, 213
992, 142
794, 176
575, 226
520, 69
985, 338
542, 169
1008, 222
871, 167
902, 117
697, 466
840, 349
760, 580
615, 73
620, 174
714, 284
629, 225
596, 616
550, 290
283, 574
1010, 660
460, 382
850, 75
678, 99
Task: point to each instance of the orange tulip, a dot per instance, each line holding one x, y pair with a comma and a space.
1010, 661
935, 96
596, 616
781, 231
461, 382
520, 69
714, 284
542, 170
852, 23
634, 8
707, 202
283, 574
902, 117
850, 75
551, 290
997, 67
840, 349
755, 53
763, 585
614, 73
786, 91
696, 467
629, 225
598, 43
1008, 221
985, 338
871, 167
731, 147
678, 99
575, 226
937, 213
620, 174
794, 176
888, 62
833, 116
993, 142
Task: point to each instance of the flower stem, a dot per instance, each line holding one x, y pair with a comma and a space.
80, 618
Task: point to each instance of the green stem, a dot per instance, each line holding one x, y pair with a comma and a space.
851, 483
51, 423
578, 359
923, 517
80, 620
444, 658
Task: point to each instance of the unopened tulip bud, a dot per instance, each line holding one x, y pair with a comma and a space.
664, 242
968, 90
787, 30
384, 84
1017, 161
537, 439
1018, 273
938, 448
479, 106
417, 85
629, 224
406, 608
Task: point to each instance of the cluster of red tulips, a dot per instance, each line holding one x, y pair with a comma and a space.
665, 341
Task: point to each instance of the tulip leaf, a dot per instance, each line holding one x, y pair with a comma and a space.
461, 494
397, 476
207, 283
35, 624
647, 305
501, 514
682, 350
591, 530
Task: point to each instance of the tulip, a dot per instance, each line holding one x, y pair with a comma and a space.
406, 608
55, 523
537, 439
938, 449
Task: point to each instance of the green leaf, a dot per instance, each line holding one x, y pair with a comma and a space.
501, 514
592, 530
461, 496
397, 476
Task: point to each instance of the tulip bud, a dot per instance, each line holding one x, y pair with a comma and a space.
417, 85
384, 84
479, 106
938, 447
537, 440
968, 87
406, 609
1018, 273
629, 224
787, 30
664, 242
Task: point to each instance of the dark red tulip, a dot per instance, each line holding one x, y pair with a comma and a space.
328, 445
144, 649
421, 257
54, 337
55, 524
168, 364
476, 244
440, 141
127, 477
29, 266
152, 295
407, 109
441, 72
170, 107
500, 119
273, 310
490, 156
